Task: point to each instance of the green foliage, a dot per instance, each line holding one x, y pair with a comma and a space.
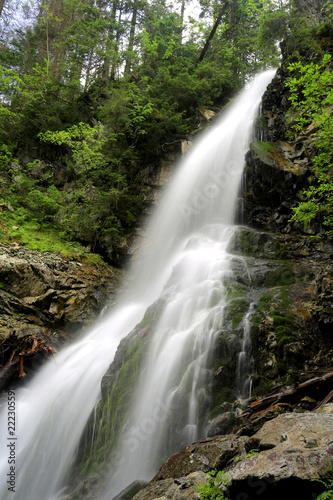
102, 208
272, 29
5, 157
86, 144
45, 237
41, 205
252, 453
66, 101
328, 493
212, 490
311, 95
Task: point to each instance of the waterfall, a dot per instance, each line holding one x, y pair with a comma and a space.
186, 265
244, 378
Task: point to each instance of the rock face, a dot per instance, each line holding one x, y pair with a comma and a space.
44, 300
286, 454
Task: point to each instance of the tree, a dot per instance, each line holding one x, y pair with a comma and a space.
212, 32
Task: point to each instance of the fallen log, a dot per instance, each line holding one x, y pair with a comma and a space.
316, 387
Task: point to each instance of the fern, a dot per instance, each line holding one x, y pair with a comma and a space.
212, 490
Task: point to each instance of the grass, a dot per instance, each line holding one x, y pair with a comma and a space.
45, 238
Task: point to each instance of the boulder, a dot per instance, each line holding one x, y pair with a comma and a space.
288, 453
293, 450
183, 488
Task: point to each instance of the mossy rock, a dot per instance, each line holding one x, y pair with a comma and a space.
252, 243
282, 275
265, 150
117, 390
236, 310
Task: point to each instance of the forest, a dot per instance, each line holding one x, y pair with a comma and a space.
93, 92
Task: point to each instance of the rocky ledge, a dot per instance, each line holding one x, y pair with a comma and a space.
293, 451
288, 449
44, 301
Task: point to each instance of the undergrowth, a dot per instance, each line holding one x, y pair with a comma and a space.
17, 227
215, 487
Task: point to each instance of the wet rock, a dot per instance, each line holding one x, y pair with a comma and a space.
222, 424
130, 491
183, 488
202, 456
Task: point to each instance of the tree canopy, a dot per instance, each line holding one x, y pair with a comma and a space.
96, 88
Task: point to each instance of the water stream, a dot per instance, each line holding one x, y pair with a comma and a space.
186, 265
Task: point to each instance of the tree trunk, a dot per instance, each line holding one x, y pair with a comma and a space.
109, 44
131, 38
182, 11
2, 3
212, 33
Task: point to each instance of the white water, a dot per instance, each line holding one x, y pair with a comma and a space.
244, 378
189, 238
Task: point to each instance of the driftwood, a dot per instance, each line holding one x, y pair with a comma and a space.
315, 387
22, 350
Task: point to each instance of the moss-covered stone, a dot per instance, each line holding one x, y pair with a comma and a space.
237, 309
282, 275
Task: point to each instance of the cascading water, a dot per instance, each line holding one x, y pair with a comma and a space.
244, 363
186, 268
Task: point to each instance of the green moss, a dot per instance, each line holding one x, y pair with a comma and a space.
225, 394
264, 302
260, 122
42, 237
265, 150
113, 410
281, 368
280, 250
244, 243
281, 276
233, 289
263, 387
279, 320
237, 308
